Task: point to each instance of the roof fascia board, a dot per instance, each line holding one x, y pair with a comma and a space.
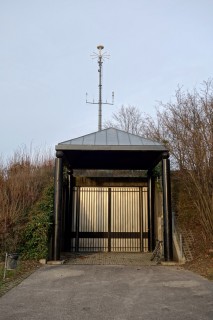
67, 147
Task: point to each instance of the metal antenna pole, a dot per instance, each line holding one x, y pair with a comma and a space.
100, 57
100, 88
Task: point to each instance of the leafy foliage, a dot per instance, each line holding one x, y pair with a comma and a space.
36, 235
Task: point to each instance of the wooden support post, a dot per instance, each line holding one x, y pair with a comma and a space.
68, 213
109, 219
151, 195
77, 219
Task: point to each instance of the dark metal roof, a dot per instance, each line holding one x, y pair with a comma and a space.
111, 149
111, 139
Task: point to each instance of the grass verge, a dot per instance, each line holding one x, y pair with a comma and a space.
16, 276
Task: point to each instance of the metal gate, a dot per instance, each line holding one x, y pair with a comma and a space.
109, 219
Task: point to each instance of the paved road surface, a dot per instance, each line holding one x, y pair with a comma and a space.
102, 292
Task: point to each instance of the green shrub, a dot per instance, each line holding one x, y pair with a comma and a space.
36, 235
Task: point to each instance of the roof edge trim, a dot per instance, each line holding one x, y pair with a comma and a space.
110, 147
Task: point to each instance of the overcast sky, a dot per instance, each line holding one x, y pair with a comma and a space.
46, 68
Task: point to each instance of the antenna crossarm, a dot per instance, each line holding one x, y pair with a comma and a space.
110, 103
92, 102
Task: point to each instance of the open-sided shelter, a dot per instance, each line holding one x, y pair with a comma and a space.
105, 194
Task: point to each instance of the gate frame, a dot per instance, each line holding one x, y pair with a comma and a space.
142, 234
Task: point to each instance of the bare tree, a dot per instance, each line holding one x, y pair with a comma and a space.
186, 126
129, 119
21, 181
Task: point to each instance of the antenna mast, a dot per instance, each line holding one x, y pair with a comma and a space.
100, 56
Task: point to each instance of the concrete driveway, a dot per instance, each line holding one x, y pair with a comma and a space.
109, 292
